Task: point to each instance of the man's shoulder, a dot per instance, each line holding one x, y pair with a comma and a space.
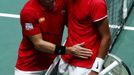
27, 10
28, 7
99, 1
27, 13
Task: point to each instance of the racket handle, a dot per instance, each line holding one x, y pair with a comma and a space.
110, 67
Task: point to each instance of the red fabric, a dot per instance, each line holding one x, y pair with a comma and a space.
49, 24
82, 15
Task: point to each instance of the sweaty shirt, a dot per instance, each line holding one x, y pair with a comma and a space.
36, 19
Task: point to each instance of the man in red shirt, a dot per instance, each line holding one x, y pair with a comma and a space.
42, 24
87, 22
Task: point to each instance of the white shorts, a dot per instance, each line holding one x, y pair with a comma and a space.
66, 69
20, 72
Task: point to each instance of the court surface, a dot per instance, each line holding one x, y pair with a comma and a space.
10, 37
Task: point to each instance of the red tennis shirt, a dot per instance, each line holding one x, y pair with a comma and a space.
36, 19
81, 17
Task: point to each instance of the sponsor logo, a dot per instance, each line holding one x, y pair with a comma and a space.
29, 26
97, 66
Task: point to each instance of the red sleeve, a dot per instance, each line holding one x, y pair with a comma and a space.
29, 22
98, 10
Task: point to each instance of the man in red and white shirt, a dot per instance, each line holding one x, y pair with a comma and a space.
42, 24
88, 23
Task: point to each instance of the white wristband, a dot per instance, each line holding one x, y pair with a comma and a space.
97, 66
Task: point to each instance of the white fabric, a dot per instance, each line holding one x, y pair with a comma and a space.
97, 66
19, 72
66, 69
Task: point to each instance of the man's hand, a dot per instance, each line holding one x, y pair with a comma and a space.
79, 51
93, 73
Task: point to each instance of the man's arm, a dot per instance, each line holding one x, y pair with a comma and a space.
48, 47
104, 31
105, 37
34, 34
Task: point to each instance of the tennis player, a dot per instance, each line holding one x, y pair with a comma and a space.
42, 24
87, 22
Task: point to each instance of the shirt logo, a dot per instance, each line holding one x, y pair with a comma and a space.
29, 26
97, 65
41, 19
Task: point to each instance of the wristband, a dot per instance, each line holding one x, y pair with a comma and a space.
60, 50
97, 66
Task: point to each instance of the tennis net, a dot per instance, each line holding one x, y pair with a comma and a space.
118, 13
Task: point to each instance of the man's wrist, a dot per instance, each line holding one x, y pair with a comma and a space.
60, 50
68, 50
97, 66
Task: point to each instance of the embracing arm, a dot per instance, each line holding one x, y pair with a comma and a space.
48, 47
42, 45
